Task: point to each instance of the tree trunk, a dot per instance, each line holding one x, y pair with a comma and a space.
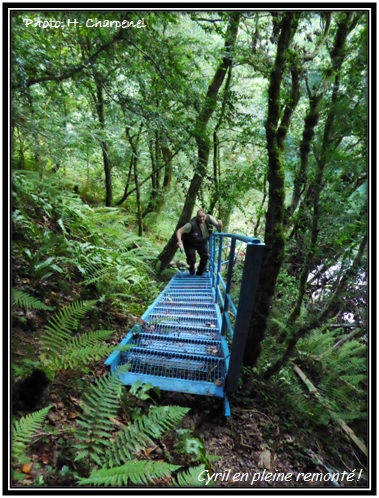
201, 137
215, 198
159, 154
310, 124
108, 175
216, 168
99, 103
133, 141
274, 230
126, 193
138, 197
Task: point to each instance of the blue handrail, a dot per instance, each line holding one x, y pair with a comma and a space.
221, 243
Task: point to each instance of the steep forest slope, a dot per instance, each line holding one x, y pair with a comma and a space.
65, 254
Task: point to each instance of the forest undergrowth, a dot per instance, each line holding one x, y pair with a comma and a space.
80, 280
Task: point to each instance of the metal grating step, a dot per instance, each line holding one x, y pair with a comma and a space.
187, 284
173, 305
186, 331
175, 311
195, 296
199, 294
156, 342
175, 365
182, 318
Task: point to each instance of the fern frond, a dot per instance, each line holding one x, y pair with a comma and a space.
27, 301
24, 429
138, 435
163, 418
89, 338
339, 375
75, 358
114, 232
140, 472
191, 477
60, 327
95, 271
99, 405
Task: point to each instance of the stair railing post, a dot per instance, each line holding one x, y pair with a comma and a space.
248, 289
228, 286
212, 252
218, 267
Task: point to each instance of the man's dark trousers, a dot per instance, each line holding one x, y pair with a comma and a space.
201, 247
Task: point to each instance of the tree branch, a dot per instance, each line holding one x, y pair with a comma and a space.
74, 70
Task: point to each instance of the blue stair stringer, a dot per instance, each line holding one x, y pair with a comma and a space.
178, 345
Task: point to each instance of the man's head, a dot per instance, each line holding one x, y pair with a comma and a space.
201, 216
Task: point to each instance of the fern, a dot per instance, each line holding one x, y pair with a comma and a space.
100, 406
61, 350
95, 270
82, 349
59, 328
191, 477
138, 435
102, 446
46, 261
140, 472
338, 373
27, 301
24, 430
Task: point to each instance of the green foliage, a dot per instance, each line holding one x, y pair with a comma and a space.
46, 261
103, 441
77, 240
100, 405
338, 373
83, 349
139, 472
142, 431
141, 390
59, 328
21, 222
194, 448
24, 430
57, 148
285, 291
27, 301
295, 399
60, 349
25, 367
190, 478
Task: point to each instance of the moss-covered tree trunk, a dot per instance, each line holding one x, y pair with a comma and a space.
161, 159
310, 124
201, 137
134, 143
274, 230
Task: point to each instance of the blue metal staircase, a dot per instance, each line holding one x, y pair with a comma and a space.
191, 339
